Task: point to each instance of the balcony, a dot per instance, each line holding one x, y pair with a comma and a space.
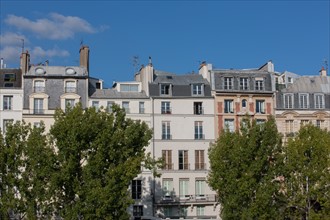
186, 199
70, 89
39, 89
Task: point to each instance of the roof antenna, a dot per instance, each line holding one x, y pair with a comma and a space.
325, 64
150, 62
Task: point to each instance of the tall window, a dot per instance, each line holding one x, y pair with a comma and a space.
199, 130
183, 160
70, 87
197, 89
109, 106
96, 105
288, 100
303, 101
200, 188
243, 83
136, 189
183, 188
167, 158
319, 101
244, 103
200, 210
69, 103
166, 108
320, 123
229, 124
5, 124
229, 106
289, 126
199, 160
39, 86
38, 106
166, 130
141, 107
165, 89
125, 106
7, 102
259, 84
260, 106
167, 187
198, 108
138, 211
228, 83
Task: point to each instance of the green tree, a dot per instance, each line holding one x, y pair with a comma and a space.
307, 176
98, 156
243, 172
25, 168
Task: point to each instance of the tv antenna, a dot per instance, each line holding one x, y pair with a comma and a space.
22, 39
325, 61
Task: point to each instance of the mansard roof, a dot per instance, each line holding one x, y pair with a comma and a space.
187, 79
309, 84
114, 94
57, 71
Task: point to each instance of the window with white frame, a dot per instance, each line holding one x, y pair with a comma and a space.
243, 83
165, 89
183, 188
198, 108
303, 101
39, 86
167, 187
7, 102
166, 108
289, 126
69, 103
200, 188
199, 130
96, 105
125, 106
244, 103
200, 210
129, 87
136, 189
319, 101
183, 160
38, 104
260, 106
5, 124
70, 86
229, 124
199, 160
197, 89
228, 83
109, 106
166, 130
229, 106
167, 158
320, 123
141, 108
259, 84
288, 101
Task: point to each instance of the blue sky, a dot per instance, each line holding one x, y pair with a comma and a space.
178, 35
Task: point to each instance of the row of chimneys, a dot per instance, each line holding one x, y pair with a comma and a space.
84, 59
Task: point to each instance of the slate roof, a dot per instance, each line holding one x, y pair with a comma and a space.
114, 94
309, 84
187, 79
57, 71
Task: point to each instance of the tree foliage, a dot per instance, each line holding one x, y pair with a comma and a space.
244, 167
82, 169
308, 174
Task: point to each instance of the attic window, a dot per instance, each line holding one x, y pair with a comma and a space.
165, 89
70, 71
169, 77
40, 70
9, 77
129, 87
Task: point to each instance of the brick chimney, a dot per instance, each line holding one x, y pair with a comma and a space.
25, 62
84, 57
323, 72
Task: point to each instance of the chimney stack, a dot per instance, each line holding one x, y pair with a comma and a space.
84, 57
1, 64
323, 72
25, 62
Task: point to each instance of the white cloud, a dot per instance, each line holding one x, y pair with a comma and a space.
10, 54
56, 27
55, 52
10, 38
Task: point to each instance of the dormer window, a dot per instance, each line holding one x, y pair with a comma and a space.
70, 71
259, 84
40, 70
70, 86
165, 89
129, 87
197, 89
228, 83
39, 86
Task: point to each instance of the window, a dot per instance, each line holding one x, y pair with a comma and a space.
5, 124
69, 103
166, 130
96, 104
199, 160
229, 124
183, 160
9, 77
167, 158
70, 87
166, 108
129, 87
7, 102
243, 83
199, 130
200, 188
183, 188
288, 100
244, 103
260, 106
125, 106
259, 84
109, 106
141, 107
168, 211
8, 84
289, 126
319, 101
167, 187
136, 189
320, 123
137, 211
183, 211
198, 108
290, 80
38, 106
200, 210
303, 101
304, 122
228, 83
260, 121
197, 89
229, 106
165, 89
39, 86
